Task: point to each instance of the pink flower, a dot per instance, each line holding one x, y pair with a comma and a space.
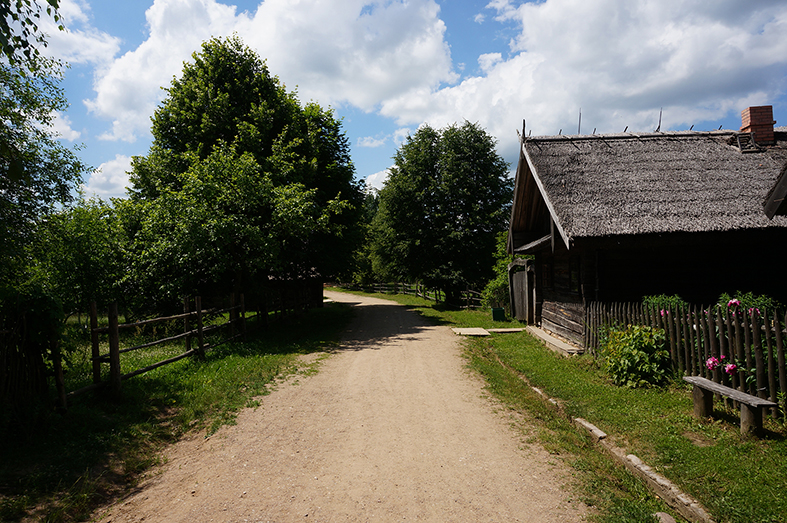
754, 312
733, 303
663, 312
712, 363
731, 369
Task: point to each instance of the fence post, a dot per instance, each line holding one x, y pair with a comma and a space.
95, 352
58, 368
780, 358
233, 314
114, 349
243, 316
200, 335
187, 321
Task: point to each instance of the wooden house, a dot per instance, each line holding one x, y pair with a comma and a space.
616, 217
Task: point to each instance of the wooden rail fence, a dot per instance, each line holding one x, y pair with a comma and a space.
752, 340
470, 299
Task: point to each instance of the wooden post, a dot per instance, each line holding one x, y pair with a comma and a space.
243, 316
771, 362
114, 349
200, 335
780, 359
95, 352
762, 388
233, 315
60, 384
739, 350
187, 321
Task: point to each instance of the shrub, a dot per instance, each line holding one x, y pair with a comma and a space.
662, 301
750, 302
636, 357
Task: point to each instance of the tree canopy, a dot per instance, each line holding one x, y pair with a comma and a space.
447, 196
241, 182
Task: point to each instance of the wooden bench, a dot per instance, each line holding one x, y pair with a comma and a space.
751, 406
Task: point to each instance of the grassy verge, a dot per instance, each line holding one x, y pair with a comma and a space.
738, 481
61, 467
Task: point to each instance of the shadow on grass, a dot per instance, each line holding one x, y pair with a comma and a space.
61, 467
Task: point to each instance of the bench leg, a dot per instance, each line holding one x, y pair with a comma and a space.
751, 420
703, 402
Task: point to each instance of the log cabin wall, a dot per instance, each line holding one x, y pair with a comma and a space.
562, 303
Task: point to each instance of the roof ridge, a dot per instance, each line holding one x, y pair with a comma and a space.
633, 136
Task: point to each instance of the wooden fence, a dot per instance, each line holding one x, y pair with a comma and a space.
470, 299
196, 326
753, 340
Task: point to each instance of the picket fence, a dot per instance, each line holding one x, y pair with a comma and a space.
753, 340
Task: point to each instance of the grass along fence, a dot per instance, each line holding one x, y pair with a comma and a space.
753, 341
470, 299
197, 325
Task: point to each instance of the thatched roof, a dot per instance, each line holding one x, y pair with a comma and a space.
631, 184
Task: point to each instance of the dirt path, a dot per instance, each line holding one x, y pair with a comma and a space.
392, 428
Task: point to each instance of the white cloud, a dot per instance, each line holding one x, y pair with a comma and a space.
110, 179
79, 43
400, 135
620, 62
487, 61
338, 52
377, 180
61, 126
371, 141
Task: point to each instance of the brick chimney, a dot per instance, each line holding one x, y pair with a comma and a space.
758, 120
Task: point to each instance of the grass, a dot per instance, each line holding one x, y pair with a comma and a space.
61, 467
737, 480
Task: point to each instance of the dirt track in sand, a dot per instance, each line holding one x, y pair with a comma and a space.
391, 428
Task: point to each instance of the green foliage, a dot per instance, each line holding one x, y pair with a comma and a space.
496, 293
19, 29
77, 254
636, 356
445, 200
241, 184
750, 301
665, 302
36, 171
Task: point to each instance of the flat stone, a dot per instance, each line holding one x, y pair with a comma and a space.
471, 331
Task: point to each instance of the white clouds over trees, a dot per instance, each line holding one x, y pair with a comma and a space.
620, 61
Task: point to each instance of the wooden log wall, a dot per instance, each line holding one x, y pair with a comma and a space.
752, 340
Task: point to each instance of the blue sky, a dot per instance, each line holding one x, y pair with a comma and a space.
388, 66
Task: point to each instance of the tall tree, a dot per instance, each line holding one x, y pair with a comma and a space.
265, 185
447, 196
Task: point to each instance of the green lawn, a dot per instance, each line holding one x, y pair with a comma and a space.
737, 480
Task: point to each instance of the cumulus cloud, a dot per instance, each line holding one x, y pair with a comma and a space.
620, 62
61, 126
372, 141
377, 180
110, 179
80, 43
355, 52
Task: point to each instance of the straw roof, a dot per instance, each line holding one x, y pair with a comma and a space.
631, 184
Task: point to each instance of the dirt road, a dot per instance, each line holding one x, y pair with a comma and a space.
391, 428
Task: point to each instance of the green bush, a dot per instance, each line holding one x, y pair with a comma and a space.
662, 301
749, 301
636, 357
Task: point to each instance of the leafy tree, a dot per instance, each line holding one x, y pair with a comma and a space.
76, 254
19, 30
447, 197
241, 181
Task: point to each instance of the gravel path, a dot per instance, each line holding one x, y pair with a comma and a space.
391, 428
